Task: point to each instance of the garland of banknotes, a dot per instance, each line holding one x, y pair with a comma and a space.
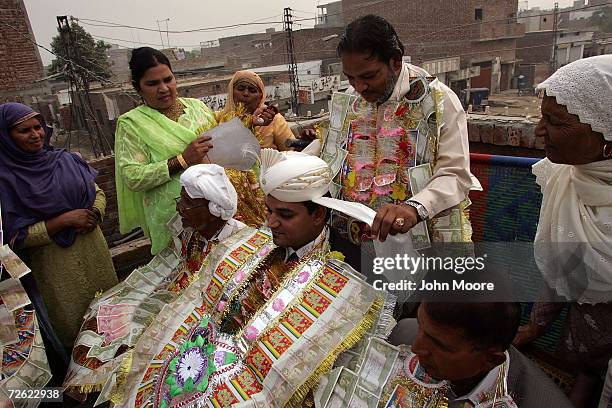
23, 360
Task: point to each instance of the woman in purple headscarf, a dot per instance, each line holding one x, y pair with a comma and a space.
51, 208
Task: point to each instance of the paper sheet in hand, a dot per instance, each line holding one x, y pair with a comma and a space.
234, 146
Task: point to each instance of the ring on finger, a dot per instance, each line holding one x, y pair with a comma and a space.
400, 221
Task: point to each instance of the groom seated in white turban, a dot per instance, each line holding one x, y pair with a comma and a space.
274, 306
297, 199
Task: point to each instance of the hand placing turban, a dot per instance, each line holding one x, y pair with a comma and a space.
210, 182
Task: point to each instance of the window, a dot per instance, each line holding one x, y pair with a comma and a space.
478, 14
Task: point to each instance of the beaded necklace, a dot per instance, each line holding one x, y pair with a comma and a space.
175, 111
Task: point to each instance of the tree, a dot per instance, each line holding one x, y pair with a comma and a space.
602, 19
89, 56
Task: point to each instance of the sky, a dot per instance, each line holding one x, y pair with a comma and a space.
182, 15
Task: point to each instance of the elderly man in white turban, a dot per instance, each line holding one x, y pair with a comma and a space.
272, 310
116, 320
573, 244
208, 202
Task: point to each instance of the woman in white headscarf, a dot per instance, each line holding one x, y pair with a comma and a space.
573, 244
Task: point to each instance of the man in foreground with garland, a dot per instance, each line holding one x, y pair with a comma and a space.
463, 353
272, 310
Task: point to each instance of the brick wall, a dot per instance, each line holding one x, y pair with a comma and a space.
308, 45
508, 138
535, 47
439, 28
106, 181
534, 73
21, 63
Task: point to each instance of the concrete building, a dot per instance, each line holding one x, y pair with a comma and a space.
238, 52
118, 59
21, 63
536, 19
481, 33
573, 45
330, 15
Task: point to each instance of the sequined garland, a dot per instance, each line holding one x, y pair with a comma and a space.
244, 307
270, 266
194, 254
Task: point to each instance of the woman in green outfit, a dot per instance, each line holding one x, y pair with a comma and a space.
153, 144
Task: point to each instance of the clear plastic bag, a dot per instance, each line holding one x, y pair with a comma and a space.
234, 146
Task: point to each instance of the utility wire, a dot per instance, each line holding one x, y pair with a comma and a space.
117, 25
93, 74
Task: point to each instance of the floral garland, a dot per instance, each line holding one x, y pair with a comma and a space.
196, 365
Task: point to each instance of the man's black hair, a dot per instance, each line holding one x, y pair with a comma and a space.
487, 324
312, 206
371, 34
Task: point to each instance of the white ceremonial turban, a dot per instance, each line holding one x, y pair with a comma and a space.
297, 177
585, 88
209, 181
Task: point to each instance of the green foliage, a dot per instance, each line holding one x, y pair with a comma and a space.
602, 19
88, 55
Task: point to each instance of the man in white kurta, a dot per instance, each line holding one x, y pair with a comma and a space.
398, 119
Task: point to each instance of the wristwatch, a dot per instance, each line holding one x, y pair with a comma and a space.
420, 209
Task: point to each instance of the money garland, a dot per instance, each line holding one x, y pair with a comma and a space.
387, 154
23, 361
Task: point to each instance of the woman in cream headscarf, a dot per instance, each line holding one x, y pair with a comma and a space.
573, 244
246, 93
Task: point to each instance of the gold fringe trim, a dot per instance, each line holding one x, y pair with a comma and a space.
85, 389
122, 372
354, 336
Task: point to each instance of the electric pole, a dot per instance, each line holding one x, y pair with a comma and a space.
77, 77
294, 82
160, 31
553, 62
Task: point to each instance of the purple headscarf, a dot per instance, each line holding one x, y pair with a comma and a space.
39, 186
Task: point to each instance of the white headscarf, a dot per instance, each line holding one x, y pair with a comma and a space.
585, 88
209, 181
297, 177
573, 244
